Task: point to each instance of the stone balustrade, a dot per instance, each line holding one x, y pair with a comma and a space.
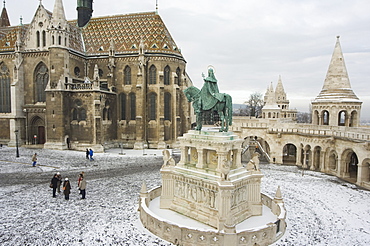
180, 235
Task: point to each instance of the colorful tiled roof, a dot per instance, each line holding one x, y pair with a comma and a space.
8, 36
127, 31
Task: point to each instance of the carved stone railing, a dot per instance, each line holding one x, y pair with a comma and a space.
181, 235
79, 86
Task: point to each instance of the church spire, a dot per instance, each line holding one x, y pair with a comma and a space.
58, 13
336, 85
4, 17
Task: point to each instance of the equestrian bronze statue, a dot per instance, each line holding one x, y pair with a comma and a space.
208, 99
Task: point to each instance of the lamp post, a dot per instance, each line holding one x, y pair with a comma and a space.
16, 142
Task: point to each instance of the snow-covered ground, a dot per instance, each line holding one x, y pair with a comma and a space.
321, 209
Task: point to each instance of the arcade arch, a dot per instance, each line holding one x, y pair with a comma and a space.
350, 164
289, 154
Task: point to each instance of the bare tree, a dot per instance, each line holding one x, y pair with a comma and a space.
255, 104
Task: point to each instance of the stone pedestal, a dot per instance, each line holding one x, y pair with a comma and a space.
209, 184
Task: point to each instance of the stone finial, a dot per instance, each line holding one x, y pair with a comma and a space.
278, 197
144, 189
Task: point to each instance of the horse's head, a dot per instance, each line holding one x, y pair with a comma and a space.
192, 93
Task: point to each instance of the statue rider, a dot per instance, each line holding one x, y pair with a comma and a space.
209, 94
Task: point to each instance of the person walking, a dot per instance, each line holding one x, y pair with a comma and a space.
91, 155
59, 181
80, 177
54, 184
34, 159
66, 188
82, 187
87, 154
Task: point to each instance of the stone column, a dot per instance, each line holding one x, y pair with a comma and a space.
304, 158
299, 156
201, 159
362, 173
322, 161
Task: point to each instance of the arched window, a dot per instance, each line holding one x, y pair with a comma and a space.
127, 75
41, 80
178, 76
167, 75
5, 99
105, 112
325, 118
342, 118
43, 38
152, 75
132, 106
74, 114
152, 106
82, 115
37, 39
167, 106
59, 40
52, 40
122, 100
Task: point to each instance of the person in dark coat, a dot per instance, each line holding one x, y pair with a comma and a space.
54, 184
66, 188
87, 154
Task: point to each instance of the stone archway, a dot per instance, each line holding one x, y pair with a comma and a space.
37, 131
289, 154
350, 164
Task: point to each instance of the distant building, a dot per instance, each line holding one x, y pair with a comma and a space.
276, 104
118, 80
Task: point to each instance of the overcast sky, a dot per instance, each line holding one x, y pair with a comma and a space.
251, 42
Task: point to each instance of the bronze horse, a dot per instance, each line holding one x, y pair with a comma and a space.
223, 108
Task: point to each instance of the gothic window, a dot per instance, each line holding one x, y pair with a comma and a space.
82, 114
105, 112
53, 40
152, 75
59, 40
152, 106
127, 75
167, 75
38, 39
43, 38
5, 106
101, 73
167, 106
122, 100
74, 114
178, 76
41, 80
132, 106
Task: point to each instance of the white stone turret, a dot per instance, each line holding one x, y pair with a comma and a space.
336, 104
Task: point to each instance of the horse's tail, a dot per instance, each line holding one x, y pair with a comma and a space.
229, 108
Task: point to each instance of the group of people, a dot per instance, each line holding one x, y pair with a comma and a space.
89, 154
56, 184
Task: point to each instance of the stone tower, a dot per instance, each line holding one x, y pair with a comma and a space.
337, 104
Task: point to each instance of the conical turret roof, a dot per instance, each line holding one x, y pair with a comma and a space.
4, 17
336, 85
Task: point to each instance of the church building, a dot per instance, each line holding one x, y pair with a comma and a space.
117, 81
